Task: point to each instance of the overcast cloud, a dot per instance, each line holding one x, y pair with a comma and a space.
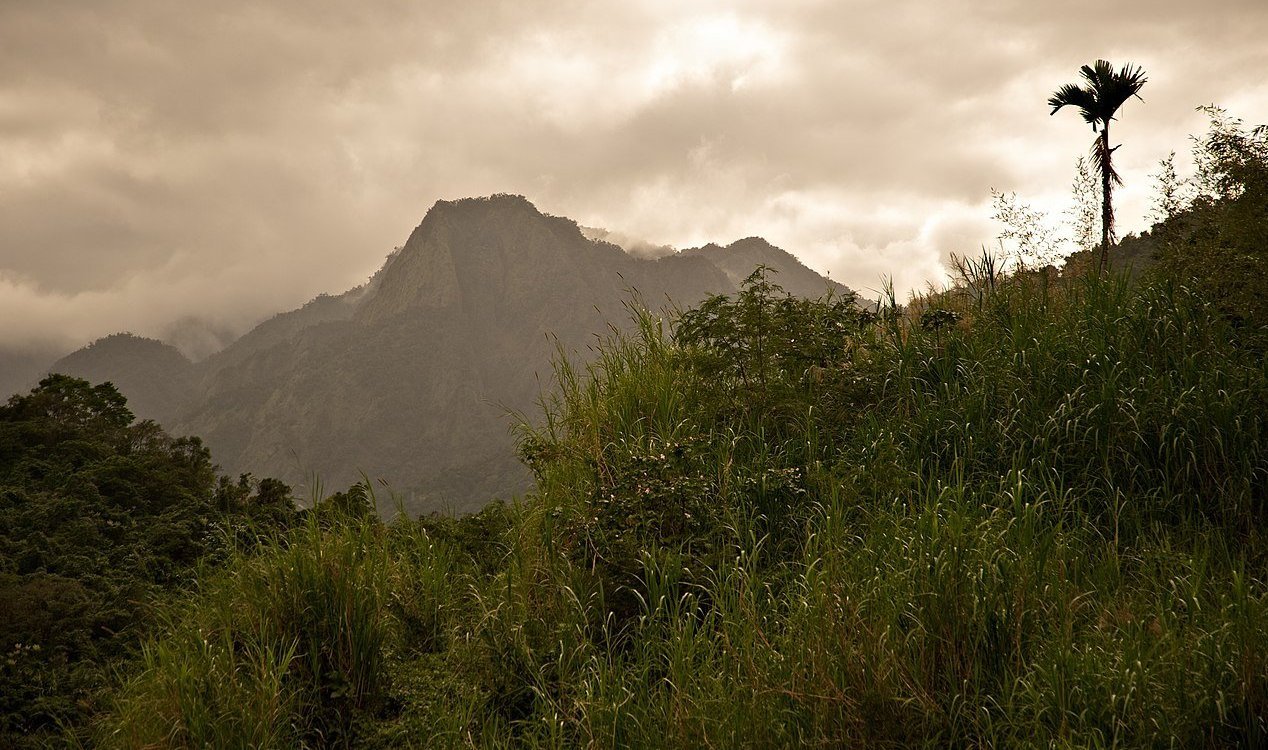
164, 163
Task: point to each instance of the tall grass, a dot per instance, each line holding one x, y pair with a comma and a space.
1025, 512
1033, 521
281, 648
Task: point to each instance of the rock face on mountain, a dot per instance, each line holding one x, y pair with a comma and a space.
411, 378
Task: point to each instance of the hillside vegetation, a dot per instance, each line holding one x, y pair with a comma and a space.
1026, 511
102, 518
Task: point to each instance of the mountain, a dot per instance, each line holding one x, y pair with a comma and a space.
738, 260
412, 376
155, 377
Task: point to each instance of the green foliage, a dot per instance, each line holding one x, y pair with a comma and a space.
100, 517
1019, 516
1219, 243
281, 648
293, 642
1027, 511
1013, 514
765, 341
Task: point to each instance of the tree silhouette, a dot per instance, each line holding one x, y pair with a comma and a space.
1104, 92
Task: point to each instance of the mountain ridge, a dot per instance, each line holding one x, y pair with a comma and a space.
410, 377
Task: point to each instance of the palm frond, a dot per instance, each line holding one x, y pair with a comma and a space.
1121, 86
1098, 73
1105, 91
1074, 96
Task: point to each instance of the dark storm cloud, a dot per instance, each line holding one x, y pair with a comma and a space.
162, 163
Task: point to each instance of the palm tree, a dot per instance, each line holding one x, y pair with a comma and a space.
1105, 91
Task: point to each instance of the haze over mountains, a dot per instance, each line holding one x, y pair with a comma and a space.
410, 377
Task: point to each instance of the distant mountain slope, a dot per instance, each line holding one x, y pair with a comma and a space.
410, 378
413, 379
156, 378
284, 327
738, 260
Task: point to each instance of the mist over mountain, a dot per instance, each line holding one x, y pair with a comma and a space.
635, 246
197, 338
21, 367
411, 378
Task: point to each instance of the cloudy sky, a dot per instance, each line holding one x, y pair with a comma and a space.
169, 166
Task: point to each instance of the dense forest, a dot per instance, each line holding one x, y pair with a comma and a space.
105, 520
1027, 510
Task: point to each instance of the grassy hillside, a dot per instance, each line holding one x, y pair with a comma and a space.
1029, 512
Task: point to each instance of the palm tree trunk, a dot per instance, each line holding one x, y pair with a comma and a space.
1107, 210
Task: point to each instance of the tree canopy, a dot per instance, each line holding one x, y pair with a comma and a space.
100, 517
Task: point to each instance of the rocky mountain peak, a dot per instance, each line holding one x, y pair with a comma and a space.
410, 377
477, 252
